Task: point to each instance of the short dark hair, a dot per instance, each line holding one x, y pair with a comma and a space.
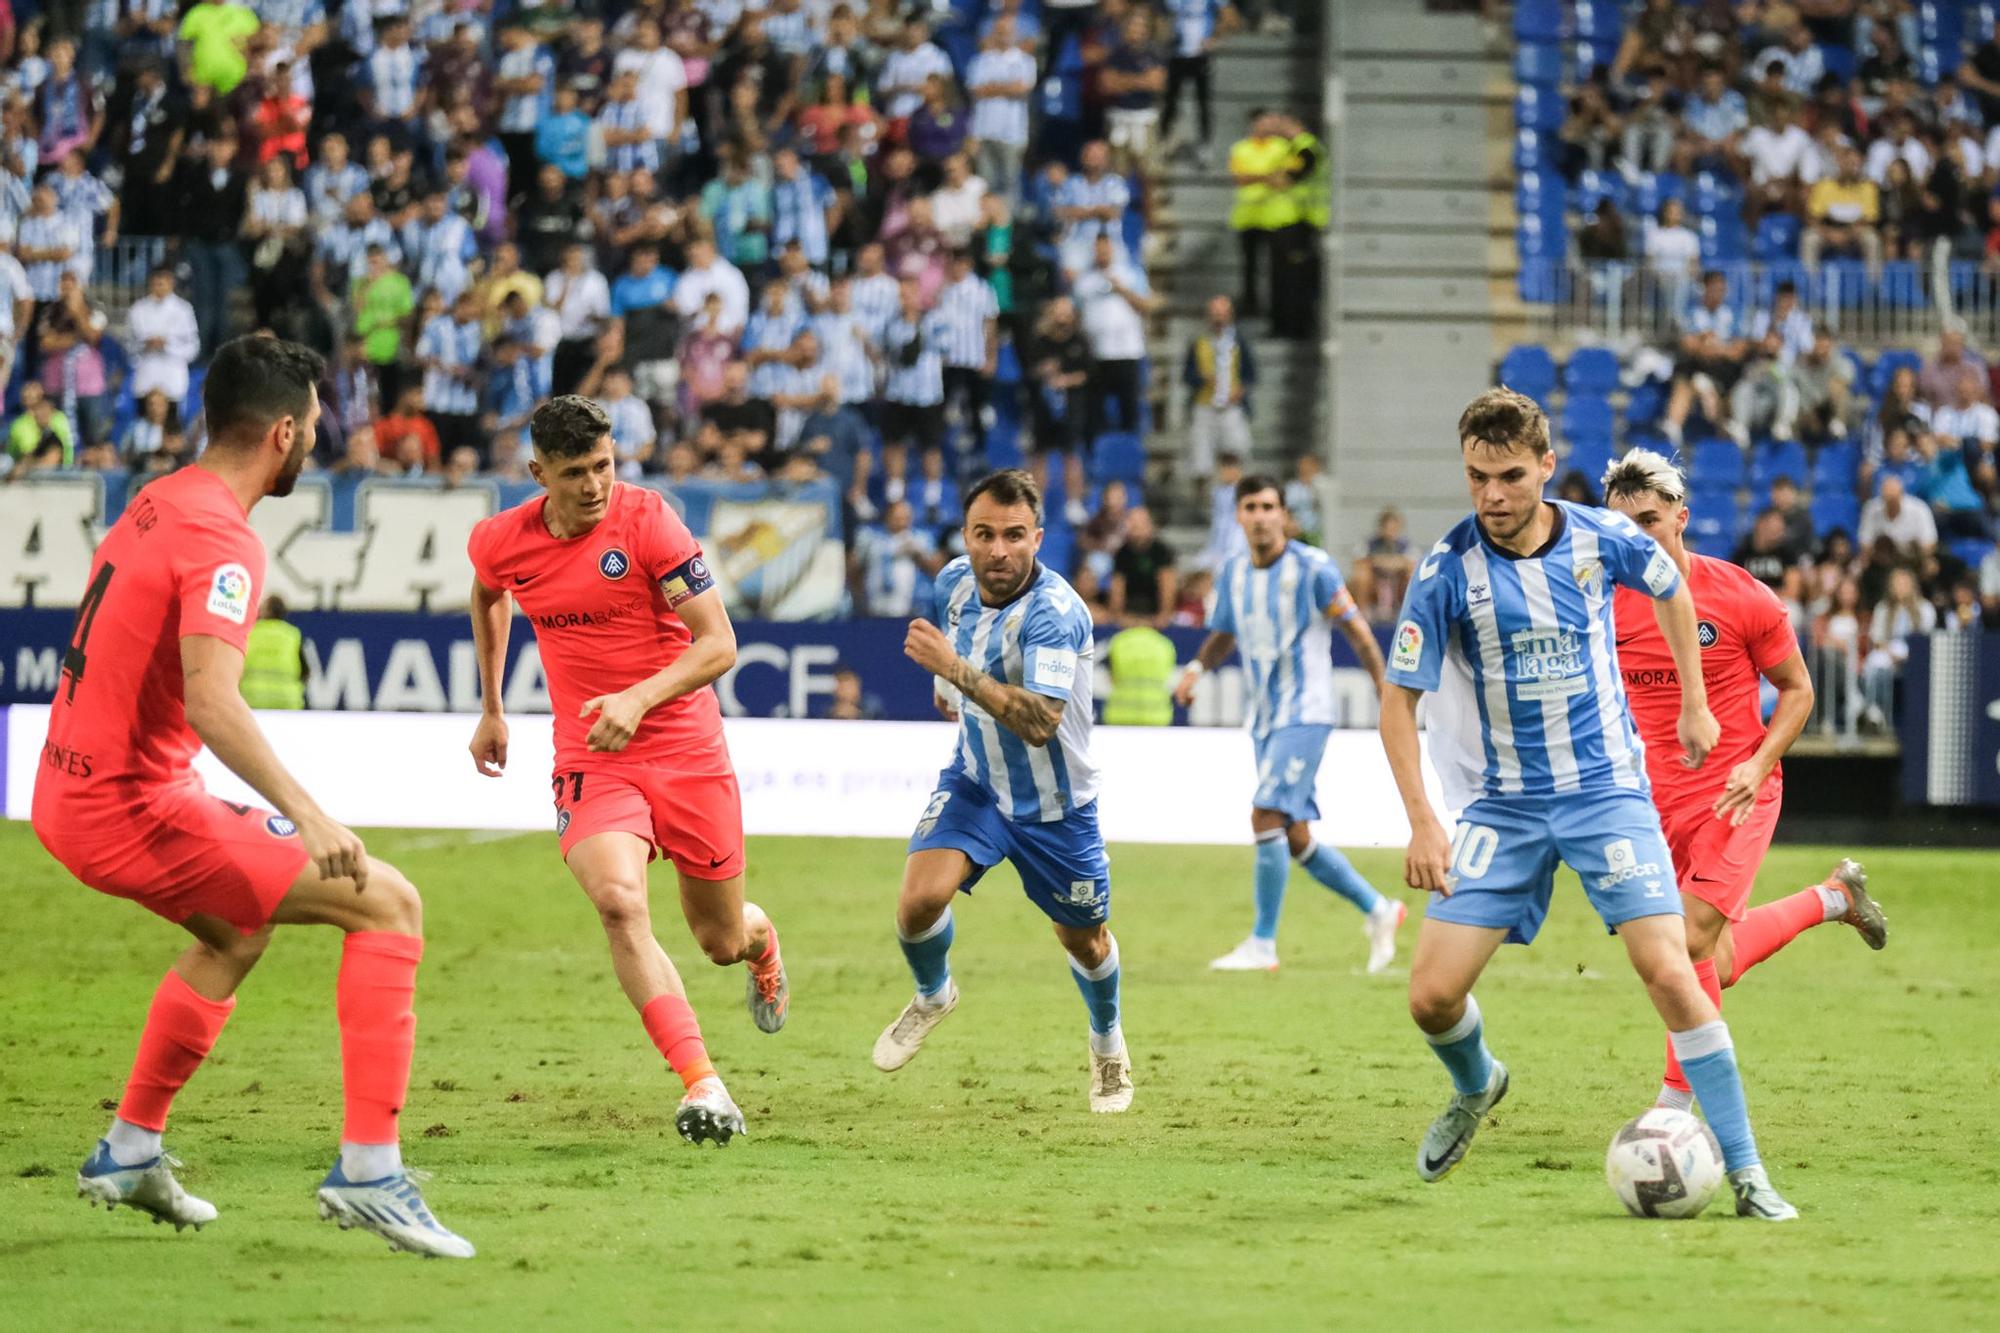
568, 426
1256, 483
254, 381
1008, 486
1503, 419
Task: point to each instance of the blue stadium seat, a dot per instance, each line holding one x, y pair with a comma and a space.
1840, 61
1531, 150
1644, 407
1594, 187
1777, 238
1591, 370
1538, 63
1528, 368
1007, 365
1538, 20
1711, 528
1971, 550
1772, 460
1586, 455
1587, 57
1599, 20
1541, 193
1886, 366
1003, 444
1058, 547
1903, 286
1835, 468
1118, 456
1541, 109
1536, 239
1541, 280
1843, 283
1716, 463
1836, 511
1587, 417
1722, 238
1717, 193
1650, 191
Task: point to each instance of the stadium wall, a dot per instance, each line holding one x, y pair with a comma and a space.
809, 778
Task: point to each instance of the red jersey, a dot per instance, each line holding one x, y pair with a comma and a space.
1744, 632
181, 560
602, 605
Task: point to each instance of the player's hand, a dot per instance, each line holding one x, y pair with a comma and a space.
1184, 689
489, 745
1739, 794
927, 646
618, 718
1427, 863
335, 849
1699, 731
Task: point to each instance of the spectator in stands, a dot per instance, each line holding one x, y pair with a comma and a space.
1115, 301
894, 565
934, 497
632, 431
708, 272
1219, 373
1650, 129
1714, 116
1791, 506
1196, 26
1939, 382
145, 142
152, 443
1801, 57
1592, 135
1712, 357
1307, 496
848, 702
1575, 487
1257, 164
1134, 82
1824, 408
449, 352
1603, 235
968, 319
1145, 586
1989, 586
1901, 141
164, 340
1225, 535
1980, 75
68, 334
581, 298
1660, 40
407, 437
1792, 325
1774, 153
1900, 615
41, 427
1767, 552
913, 345
1673, 251
1842, 217
382, 301
1908, 524
736, 422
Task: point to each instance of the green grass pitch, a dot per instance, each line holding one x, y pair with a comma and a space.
1263, 1178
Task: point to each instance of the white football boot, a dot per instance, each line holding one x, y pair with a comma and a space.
1451, 1133
1253, 955
1757, 1197
902, 1039
394, 1209
147, 1186
707, 1115
1381, 928
1110, 1082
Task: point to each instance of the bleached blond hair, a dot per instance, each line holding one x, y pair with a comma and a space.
1641, 471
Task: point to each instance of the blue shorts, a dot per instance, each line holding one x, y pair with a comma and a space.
1063, 866
1288, 770
1505, 849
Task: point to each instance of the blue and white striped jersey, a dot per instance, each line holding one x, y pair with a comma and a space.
1040, 641
394, 74
963, 307
522, 112
454, 347
877, 299
1521, 655
624, 117
921, 383
798, 213
1282, 616
1001, 119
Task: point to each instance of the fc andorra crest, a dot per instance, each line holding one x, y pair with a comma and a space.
1706, 631
614, 564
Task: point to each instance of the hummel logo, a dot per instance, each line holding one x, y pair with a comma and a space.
520, 579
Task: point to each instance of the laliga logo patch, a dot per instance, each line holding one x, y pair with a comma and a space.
1706, 631
1409, 649
280, 827
229, 593
614, 564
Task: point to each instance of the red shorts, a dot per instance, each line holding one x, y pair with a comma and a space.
693, 819
1718, 861
178, 851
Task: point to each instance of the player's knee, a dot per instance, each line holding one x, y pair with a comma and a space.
723, 943
391, 901
240, 951
621, 906
1435, 1008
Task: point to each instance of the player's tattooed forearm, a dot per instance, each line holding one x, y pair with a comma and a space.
1029, 716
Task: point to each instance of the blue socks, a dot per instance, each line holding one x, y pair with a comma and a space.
1332, 869
1100, 995
927, 956
1462, 1047
1708, 1059
1274, 867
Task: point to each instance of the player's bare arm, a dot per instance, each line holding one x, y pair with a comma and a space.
1362, 639
1032, 717
1427, 862
1215, 650
712, 652
1698, 728
1788, 719
492, 617
212, 676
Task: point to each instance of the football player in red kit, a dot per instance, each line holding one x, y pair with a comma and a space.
152, 674
632, 633
1719, 818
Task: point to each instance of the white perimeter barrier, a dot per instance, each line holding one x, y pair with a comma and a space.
826, 779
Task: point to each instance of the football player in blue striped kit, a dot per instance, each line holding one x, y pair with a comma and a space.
1013, 666
1508, 623
1276, 606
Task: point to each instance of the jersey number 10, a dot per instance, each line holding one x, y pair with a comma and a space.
1472, 848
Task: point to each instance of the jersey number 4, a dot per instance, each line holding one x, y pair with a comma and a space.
86, 617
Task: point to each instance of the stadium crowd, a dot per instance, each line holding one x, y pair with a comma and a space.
1752, 162
874, 242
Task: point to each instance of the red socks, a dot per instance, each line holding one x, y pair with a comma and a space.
1704, 972
181, 1028
670, 1022
378, 1030
1771, 927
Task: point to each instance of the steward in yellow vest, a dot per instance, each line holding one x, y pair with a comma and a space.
274, 661
1142, 662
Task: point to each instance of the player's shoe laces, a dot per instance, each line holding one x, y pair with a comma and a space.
766, 991
1253, 955
707, 1115
902, 1039
1381, 928
1863, 912
148, 1186
1451, 1133
1110, 1082
1756, 1197
394, 1209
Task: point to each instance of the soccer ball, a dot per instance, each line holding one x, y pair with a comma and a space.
1665, 1163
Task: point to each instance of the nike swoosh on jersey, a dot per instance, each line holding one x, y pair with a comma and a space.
520, 579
